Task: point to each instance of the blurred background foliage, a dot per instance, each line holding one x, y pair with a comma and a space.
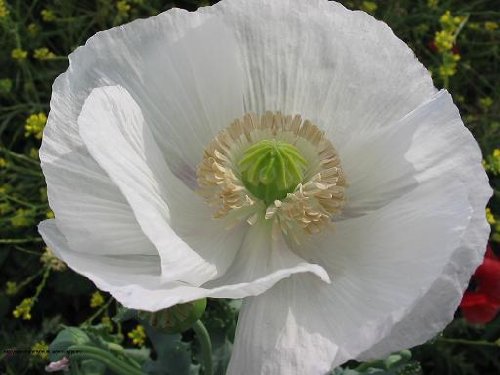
458, 41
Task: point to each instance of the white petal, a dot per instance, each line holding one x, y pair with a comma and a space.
187, 94
448, 289
383, 164
343, 70
115, 133
136, 281
380, 265
90, 210
264, 252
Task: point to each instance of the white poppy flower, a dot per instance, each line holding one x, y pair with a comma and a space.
178, 168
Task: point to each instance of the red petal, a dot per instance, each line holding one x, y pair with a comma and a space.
477, 309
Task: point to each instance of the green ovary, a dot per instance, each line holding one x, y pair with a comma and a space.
270, 169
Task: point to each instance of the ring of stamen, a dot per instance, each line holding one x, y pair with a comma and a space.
223, 176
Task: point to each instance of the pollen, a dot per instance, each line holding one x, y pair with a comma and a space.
273, 167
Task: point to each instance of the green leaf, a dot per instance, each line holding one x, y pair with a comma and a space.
173, 357
67, 337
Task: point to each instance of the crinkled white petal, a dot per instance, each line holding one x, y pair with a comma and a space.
136, 281
170, 64
90, 210
343, 70
380, 264
430, 141
115, 133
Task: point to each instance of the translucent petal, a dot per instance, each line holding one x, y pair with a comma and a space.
379, 264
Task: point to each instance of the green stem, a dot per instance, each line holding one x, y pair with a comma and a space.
467, 342
19, 240
114, 364
206, 346
97, 313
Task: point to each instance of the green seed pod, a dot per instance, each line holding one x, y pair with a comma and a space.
175, 319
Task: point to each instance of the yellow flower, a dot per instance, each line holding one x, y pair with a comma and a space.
96, 300
138, 335
432, 3
35, 124
48, 15
473, 25
5, 85
444, 40
106, 321
4, 12
50, 214
123, 7
33, 153
22, 218
490, 218
11, 288
449, 66
490, 26
369, 6
449, 22
23, 310
50, 260
3, 163
485, 102
32, 29
4, 208
40, 350
492, 162
43, 54
19, 54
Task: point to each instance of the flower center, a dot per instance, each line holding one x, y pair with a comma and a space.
270, 169
273, 167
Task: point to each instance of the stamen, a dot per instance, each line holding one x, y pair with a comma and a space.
273, 167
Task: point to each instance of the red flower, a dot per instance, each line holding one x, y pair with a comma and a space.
482, 304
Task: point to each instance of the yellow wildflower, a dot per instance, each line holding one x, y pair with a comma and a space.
449, 66
50, 214
4, 208
123, 8
369, 6
485, 103
11, 288
4, 12
138, 335
22, 218
23, 310
5, 85
19, 54
432, 3
490, 218
35, 124
3, 163
33, 153
444, 40
48, 15
449, 22
32, 29
490, 26
50, 260
493, 162
96, 300
43, 54
473, 25
40, 350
